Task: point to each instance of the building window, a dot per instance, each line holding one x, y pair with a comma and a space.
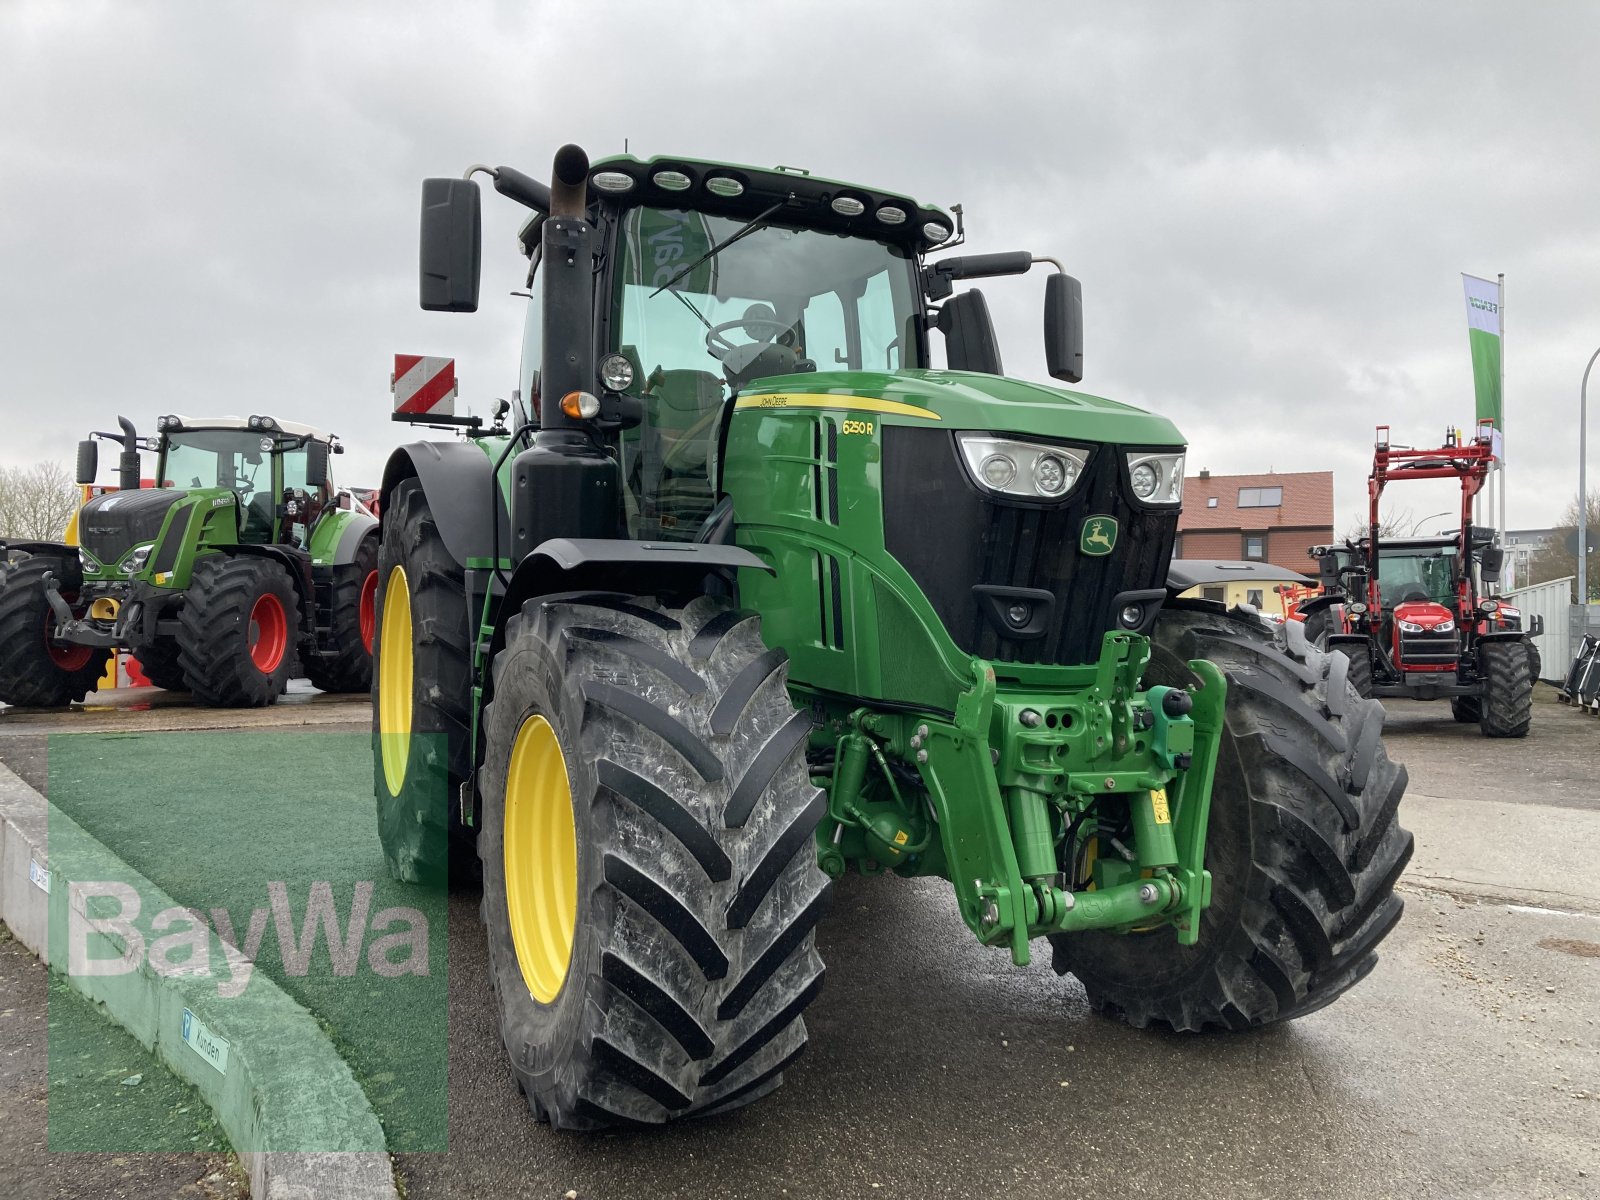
1177, 546
1211, 501
1220, 595
1255, 545
1268, 497
1253, 596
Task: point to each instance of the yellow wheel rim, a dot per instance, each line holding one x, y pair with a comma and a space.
541, 859
394, 681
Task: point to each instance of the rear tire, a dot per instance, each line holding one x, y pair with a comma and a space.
694, 883
347, 665
1507, 690
1303, 847
419, 728
35, 670
238, 631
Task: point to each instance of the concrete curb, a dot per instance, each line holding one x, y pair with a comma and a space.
300, 1122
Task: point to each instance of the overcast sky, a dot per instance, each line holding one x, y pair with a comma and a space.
213, 208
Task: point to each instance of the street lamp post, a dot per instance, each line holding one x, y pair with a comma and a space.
1583, 490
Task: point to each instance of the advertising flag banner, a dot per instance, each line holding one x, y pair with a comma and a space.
1483, 334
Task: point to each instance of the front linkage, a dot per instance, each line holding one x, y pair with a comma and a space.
1001, 798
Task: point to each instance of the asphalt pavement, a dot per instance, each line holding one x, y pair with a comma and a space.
1466, 1065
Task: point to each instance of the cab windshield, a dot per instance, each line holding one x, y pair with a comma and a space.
238, 459
1412, 574
779, 300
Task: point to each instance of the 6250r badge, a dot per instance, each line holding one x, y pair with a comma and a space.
1099, 535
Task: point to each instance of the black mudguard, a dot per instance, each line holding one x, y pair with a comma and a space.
457, 478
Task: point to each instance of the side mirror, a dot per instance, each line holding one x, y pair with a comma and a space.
88, 460
452, 245
1328, 569
1490, 562
1063, 327
316, 466
969, 341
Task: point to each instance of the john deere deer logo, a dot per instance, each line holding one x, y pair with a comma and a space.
1099, 535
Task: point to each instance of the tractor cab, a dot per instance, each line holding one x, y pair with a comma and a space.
278, 470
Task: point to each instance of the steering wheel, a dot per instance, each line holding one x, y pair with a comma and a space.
719, 345
1412, 595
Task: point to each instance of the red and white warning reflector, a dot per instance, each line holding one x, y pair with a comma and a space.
423, 387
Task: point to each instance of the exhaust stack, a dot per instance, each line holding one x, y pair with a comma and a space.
128, 461
568, 269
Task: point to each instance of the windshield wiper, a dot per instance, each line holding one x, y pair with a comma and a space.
748, 227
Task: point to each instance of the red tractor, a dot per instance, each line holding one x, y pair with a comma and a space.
1408, 612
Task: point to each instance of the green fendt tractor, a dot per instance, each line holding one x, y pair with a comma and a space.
748, 595
241, 558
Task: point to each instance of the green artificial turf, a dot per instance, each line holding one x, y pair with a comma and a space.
213, 818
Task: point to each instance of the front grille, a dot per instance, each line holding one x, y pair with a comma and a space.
952, 538
1430, 649
109, 526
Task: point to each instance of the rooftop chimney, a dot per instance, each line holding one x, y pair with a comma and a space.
1205, 473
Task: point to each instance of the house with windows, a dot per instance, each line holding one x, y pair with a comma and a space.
1274, 518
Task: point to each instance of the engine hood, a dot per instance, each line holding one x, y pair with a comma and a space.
111, 525
1423, 612
967, 400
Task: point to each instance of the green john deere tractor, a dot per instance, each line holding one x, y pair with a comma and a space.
748, 595
242, 558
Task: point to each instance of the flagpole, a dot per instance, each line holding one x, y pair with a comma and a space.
1502, 463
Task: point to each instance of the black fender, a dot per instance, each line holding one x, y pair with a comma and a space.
1503, 635
458, 479
25, 547
565, 565
1318, 603
1349, 639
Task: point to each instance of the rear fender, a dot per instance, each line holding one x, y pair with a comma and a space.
457, 478
338, 535
8, 546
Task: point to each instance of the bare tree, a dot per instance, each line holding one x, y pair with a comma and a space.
1559, 557
36, 501
1398, 523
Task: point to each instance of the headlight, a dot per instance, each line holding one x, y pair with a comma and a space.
1357, 608
1156, 478
136, 561
1409, 627
616, 372
1488, 605
1022, 468
1445, 627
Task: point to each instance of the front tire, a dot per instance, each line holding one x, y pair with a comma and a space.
159, 662
1467, 710
36, 671
651, 886
1303, 847
1507, 704
238, 630
1360, 672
